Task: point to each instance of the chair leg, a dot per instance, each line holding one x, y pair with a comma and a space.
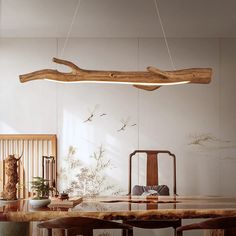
79, 231
129, 232
178, 233
179, 223
124, 232
67, 233
49, 232
89, 232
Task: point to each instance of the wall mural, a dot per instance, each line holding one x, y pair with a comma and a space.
87, 180
125, 124
94, 112
230, 158
209, 141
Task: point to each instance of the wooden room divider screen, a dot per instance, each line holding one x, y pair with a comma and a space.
34, 147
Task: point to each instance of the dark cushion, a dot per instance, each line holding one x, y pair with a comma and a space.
151, 190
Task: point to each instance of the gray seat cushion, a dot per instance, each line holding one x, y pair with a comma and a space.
151, 190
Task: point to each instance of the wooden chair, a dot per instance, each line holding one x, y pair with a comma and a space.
82, 226
226, 223
151, 180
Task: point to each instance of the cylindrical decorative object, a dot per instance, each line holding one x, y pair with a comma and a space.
10, 189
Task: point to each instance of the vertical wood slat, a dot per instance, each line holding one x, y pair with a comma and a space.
33, 146
27, 159
8, 151
2, 161
45, 148
18, 168
152, 169
37, 158
1, 166
32, 161
23, 171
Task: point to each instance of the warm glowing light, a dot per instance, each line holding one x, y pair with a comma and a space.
118, 82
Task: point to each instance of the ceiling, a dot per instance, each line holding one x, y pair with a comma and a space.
118, 18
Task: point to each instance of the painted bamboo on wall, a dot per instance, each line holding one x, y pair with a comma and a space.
33, 147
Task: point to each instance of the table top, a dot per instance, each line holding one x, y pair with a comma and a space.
126, 208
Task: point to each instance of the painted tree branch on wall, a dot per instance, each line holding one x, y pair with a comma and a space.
204, 139
88, 180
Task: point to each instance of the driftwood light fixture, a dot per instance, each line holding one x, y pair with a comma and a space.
149, 80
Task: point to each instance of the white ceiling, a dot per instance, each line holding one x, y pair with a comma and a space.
118, 18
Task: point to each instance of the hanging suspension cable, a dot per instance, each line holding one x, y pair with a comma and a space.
0, 18
70, 28
164, 34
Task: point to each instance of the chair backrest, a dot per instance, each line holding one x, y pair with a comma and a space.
215, 223
152, 167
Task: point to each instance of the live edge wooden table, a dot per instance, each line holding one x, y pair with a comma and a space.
126, 208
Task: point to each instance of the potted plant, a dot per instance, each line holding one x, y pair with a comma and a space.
41, 189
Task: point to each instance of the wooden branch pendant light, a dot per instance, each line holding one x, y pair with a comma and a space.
148, 80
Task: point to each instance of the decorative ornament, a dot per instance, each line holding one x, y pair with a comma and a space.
10, 189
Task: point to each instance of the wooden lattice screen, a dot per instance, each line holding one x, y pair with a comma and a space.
34, 147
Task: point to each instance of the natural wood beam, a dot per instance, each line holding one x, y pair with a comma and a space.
149, 80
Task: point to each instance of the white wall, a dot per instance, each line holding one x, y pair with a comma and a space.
169, 118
